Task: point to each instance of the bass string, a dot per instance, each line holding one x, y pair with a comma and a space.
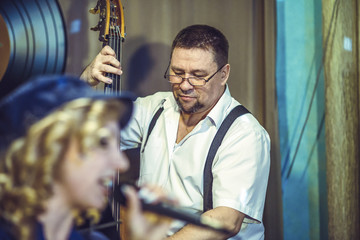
116, 88
115, 43
118, 54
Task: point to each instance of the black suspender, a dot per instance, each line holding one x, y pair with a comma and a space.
152, 124
208, 177
132, 174
220, 134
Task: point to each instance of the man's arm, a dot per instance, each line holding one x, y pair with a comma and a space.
104, 62
230, 217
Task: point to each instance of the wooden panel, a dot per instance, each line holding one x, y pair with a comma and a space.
342, 117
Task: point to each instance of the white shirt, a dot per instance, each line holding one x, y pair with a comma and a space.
240, 167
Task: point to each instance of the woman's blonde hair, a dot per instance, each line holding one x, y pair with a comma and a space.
32, 163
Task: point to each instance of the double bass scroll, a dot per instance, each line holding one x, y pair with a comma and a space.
112, 33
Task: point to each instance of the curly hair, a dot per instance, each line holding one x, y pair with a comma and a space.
203, 37
32, 163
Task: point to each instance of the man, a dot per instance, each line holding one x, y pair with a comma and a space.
173, 155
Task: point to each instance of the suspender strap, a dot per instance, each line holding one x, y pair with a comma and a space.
152, 123
208, 177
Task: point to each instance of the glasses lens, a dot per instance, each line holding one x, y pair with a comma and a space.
196, 81
174, 79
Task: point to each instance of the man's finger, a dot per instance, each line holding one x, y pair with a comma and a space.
107, 51
109, 69
102, 78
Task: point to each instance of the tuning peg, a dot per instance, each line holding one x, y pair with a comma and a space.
94, 10
95, 28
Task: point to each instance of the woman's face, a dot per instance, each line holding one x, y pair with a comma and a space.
87, 176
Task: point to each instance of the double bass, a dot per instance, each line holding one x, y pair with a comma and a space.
111, 27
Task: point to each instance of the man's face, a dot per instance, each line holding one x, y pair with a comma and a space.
87, 176
199, 63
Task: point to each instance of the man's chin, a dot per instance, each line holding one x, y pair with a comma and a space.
188, 109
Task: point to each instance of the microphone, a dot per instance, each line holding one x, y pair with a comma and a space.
168, 210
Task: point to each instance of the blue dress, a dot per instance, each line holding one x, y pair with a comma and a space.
6, 233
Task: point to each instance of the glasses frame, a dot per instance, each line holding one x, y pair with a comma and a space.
183, 78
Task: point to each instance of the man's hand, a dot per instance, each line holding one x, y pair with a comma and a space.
104, 62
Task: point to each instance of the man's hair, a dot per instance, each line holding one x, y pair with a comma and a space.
34, 162
203, 37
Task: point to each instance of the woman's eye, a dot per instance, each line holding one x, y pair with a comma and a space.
104, 141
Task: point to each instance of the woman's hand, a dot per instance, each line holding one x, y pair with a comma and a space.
140, 225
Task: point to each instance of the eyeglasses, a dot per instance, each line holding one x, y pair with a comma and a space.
193, 81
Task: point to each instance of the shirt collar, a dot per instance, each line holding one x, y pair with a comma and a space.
221, 108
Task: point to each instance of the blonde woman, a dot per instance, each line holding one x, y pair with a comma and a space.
59, 151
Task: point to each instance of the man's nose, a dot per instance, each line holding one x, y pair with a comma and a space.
185, 84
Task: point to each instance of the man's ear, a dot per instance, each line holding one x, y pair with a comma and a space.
225, 72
